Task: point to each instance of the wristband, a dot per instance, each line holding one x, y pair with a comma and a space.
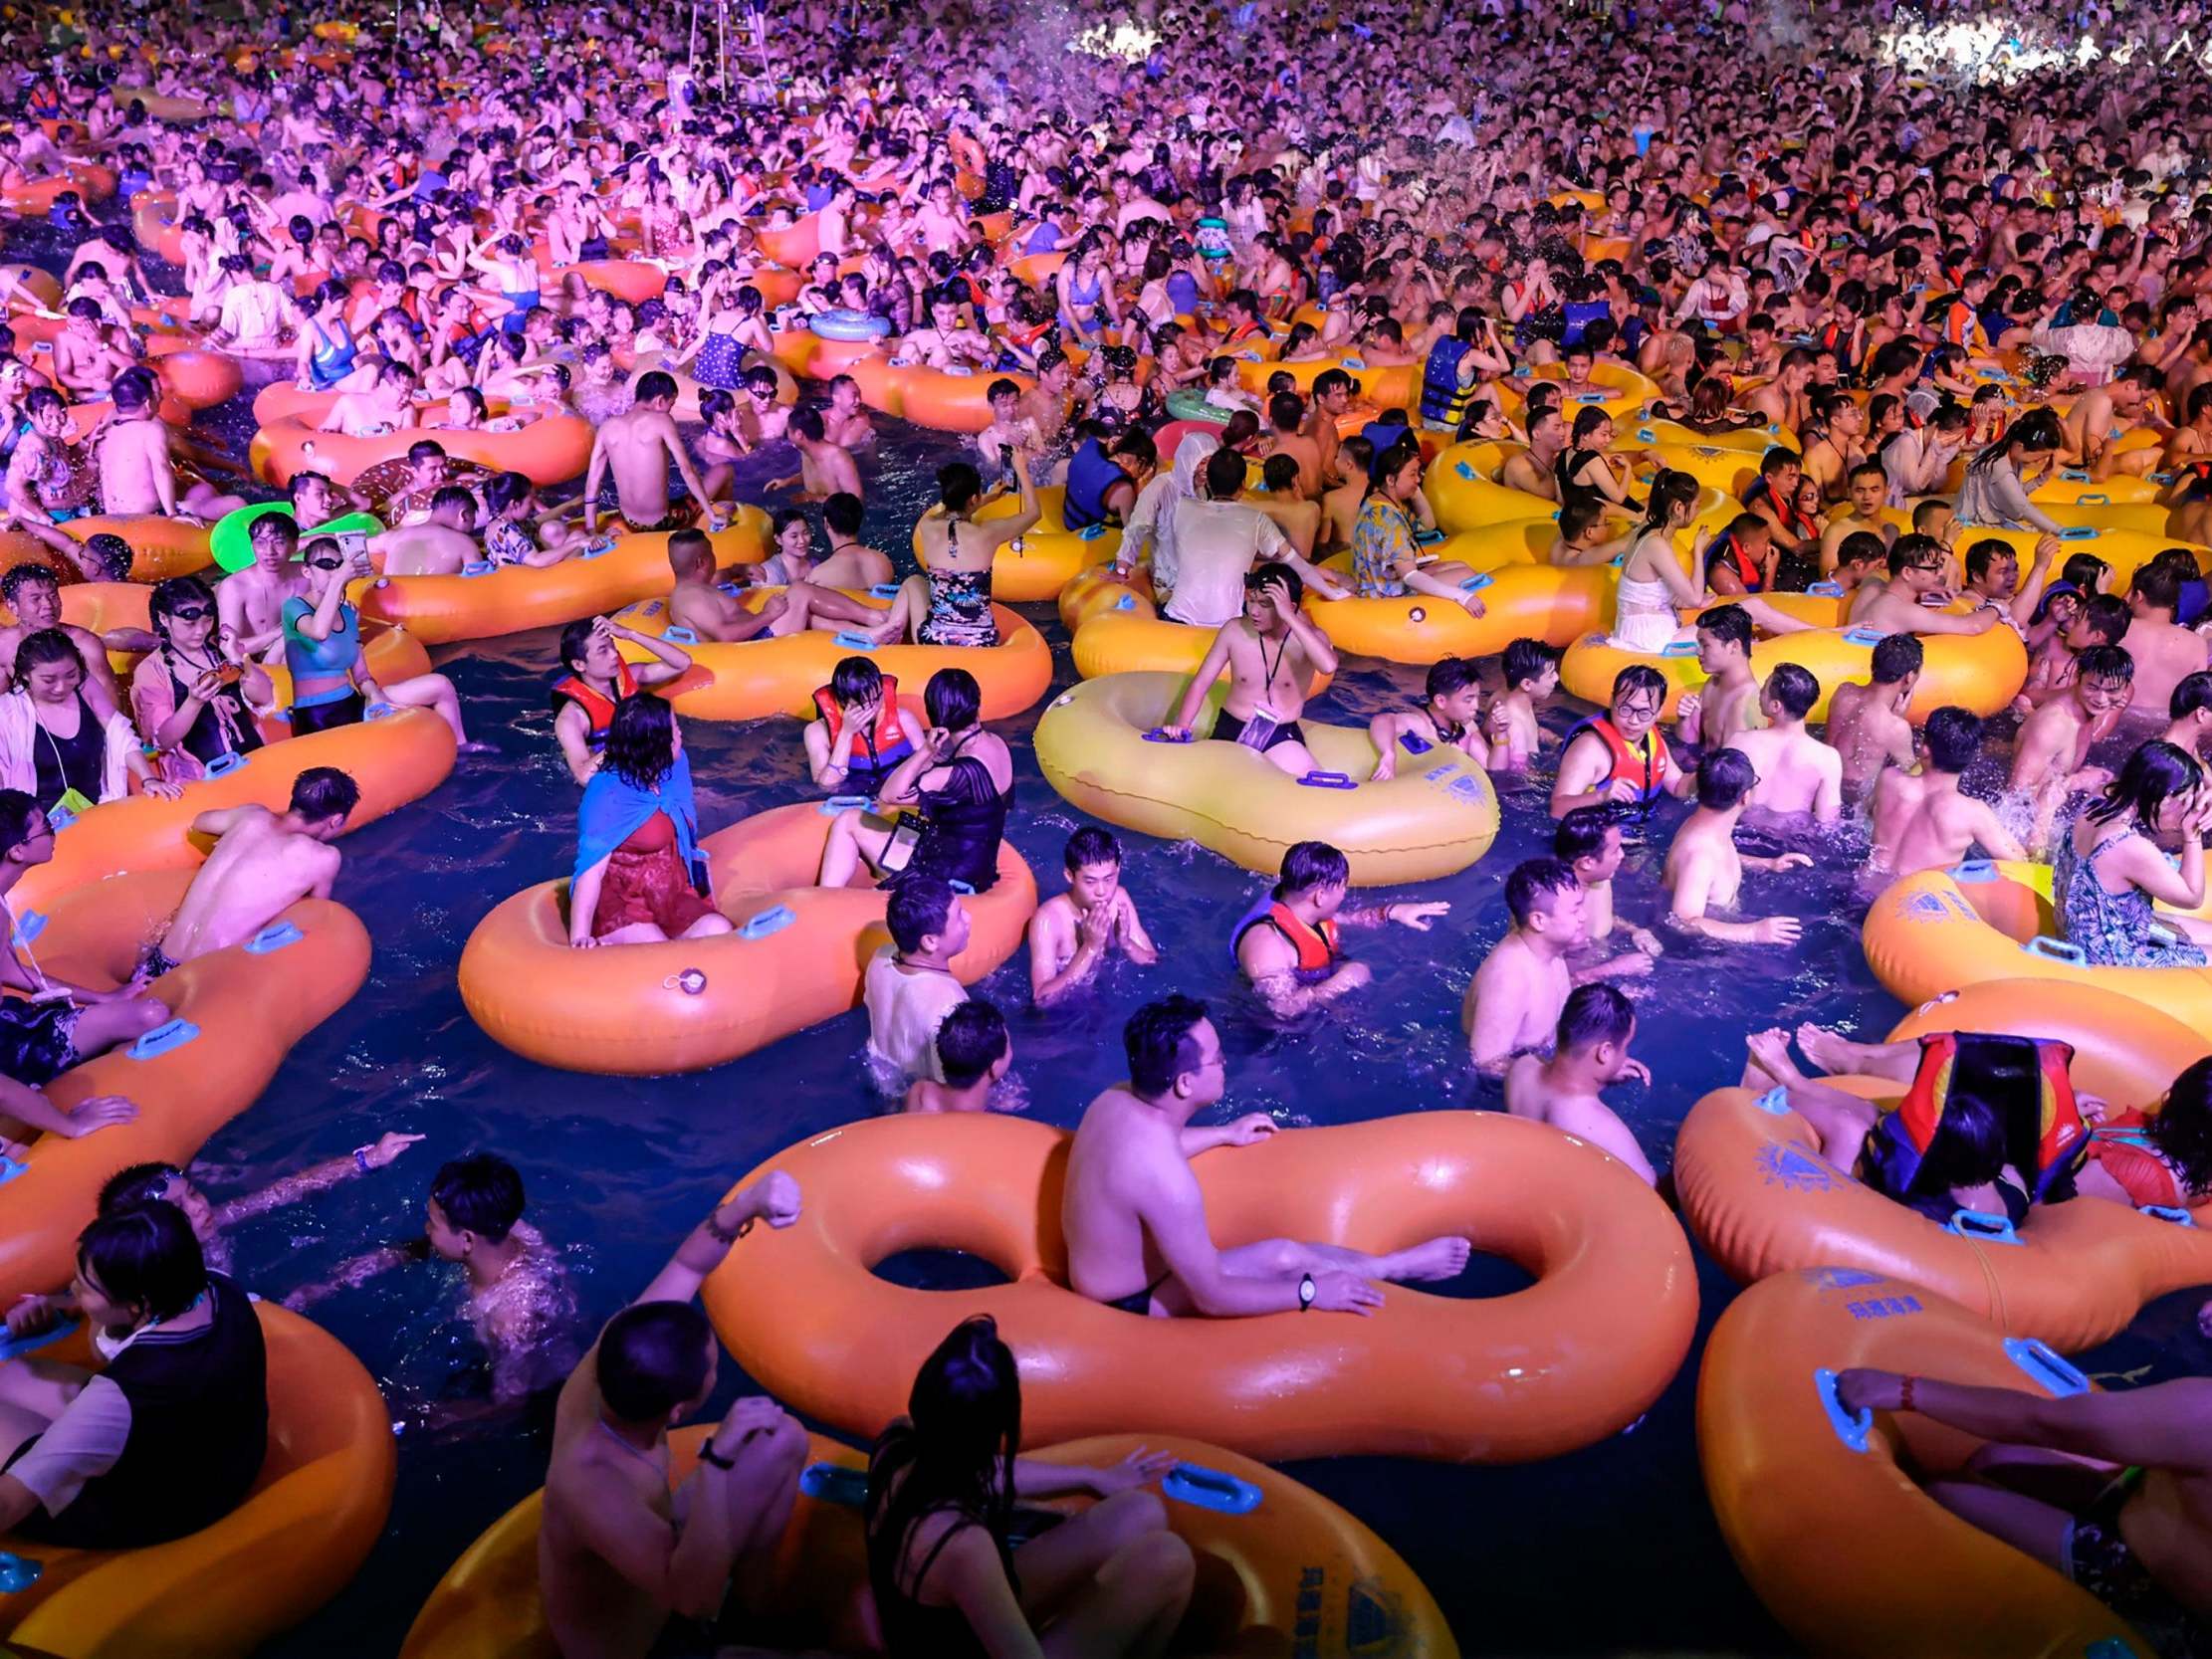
708, 1454
714, 1228
360, 1159
1904, 1393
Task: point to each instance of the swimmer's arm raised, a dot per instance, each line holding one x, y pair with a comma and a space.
773, 1198
2167, 1425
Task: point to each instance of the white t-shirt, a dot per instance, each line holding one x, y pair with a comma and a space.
1217, 544
905, 1008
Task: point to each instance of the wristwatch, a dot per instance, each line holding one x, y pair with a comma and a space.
708, 1454
1306, 1292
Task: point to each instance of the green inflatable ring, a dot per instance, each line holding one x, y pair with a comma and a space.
1185, 405
231, 539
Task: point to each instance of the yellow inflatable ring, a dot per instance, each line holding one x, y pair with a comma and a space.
1573, 1358
796, 960
1433, 818
760, 677
1520, 601
1046, 556
1293, 1573
1818, 1506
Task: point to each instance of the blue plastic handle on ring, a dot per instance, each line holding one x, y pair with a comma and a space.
29, 926
884, 591
1590, 397
1852, 1428
2169, 1212
1352, 363
597, 548
2056, 950
844, 803
380, 710
2077, 533
729, 587
273, 937
1327, 780
18, 1573
1979, 1224
223, 764
679, 636
1160, 735
10, 1168
1775, 1103
1090, 532
171, 1034
1826, 590
1210, 1489
1680, 648
1127, 602
1463, 470
853, 641
1863, 636
2053, 1370
966, 890
833, 1483
1974, 872
2074, 475
15, 1347
771, 921
1644, 435
1480, 579
1427, 538
478, 567
2097, 499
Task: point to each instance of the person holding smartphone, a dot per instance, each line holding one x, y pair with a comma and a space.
192, 707
330, 681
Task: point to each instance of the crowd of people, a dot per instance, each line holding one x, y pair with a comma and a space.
1934, 301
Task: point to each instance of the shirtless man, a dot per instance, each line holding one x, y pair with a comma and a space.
1449, 715
847, 419
1286, 414
1271, 653
1866, 492
33, 593
1517, 994
2051, 750
619, 1554
1728, 702
1705, 872
86, 361
263, 863
973, 1055
1590, 1051
1287, 944
1135, 1218
1589, 843
385, 405
637, 445
1332, 397
1534, 470
721, 615
2189, 714
825, 469
1531, 670
1993, 579
1924, 820
946, 342
1797, 772
251, 601
1072, 931
438, 547
2103, 414
137, 467
2165, 652
851, 561
1867, 723
1916, 567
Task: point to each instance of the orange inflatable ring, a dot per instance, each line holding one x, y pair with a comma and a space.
93, 183
44, 283
553, 450
1820, 1511
1760, 1197
1753, 441
154, 222
1622, 391
395, 759
1386, 385
1128, 637
1945, 930
1571, 1359
249, 1007
760, 677
1046, 556
944, 399
160, 547
194, 376
510, 598
1098, 589
303, 1532
796, 960
1295, 1573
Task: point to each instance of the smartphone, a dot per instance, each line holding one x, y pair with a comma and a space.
353, 544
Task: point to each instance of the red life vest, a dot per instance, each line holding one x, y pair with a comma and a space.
1316, 946
597, 707
886, 746
1644, 770
1991, 1066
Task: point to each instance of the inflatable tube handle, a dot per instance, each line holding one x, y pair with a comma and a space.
1590, 397
2053, 1370
884, 591
679, 635
15, 1347
1327, 780
1428, 537
1159, 734
1644, 435
2074, 475
29, 926
1477, 582
18, 1573
1678, 648
171, 1034
1775, 1103
2056, 950
9, 1169
478, 567
1127, 602
1863, 636
1090, 532
597, 548
2077, 533
1826, 590
1463, 470
273, 938
2169, 1212
1210, 1489
853, 641
966, 890
223, 764
1354, 364
1979, 1224
1851, 1428
1974, 872
771, 921
842, 804
833, 1483
2097, 499
380, 711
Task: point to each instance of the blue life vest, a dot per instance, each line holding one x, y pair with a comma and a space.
1444, 400
1580, 314
1382, 433
1091, 472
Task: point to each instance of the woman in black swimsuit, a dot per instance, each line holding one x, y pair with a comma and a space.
54, 747
949, 1581
191, 705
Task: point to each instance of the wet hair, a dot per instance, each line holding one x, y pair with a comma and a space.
2105, 662
17, 807
1731, 624
957, 484
168, 594
653, 1358
2107, 615
1724, 778
954, 1450
1225, 473
2191, 693
842, 514
321, 792
1639, 677
1580, 833
1307, 864
855, 680
1913, 548
574, 640
920, 907
1526, 660
970, 1041
481, 1195
2085, 571
2157, 585
48, 645
1895, 656
1091, 845
2152, 775
21, 577
952, 699
144, 1257
108, 554
1985, 552
2181, 1127
1953, 739
1794, 688
1448, 675
1967, 1147
655, 385
1593, 1014
1671, 490
2035, 432
641, 740
1861, 548
1158, 1044
135, 1186
1530, 880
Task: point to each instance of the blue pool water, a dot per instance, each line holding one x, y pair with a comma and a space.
620, 1170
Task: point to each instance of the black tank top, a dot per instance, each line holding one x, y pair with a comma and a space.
66, 763
224, 724
964, 818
